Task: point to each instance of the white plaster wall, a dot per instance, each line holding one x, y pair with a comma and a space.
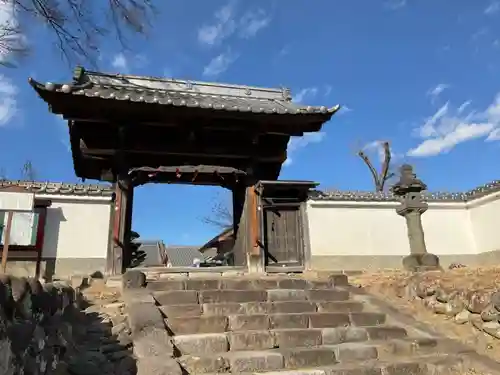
77, 228
485, 222
358, 228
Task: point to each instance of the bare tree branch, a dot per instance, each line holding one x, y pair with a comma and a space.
380, 179
28, 172
221, 216
78, 26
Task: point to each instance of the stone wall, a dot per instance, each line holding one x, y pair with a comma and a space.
479, 308
35, 325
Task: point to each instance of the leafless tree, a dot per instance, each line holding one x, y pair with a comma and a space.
77, 26
221, 216
28, 172
380, 179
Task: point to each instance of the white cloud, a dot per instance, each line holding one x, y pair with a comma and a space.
307, 93
8, 102
494, 7
345, 109
447, 128
395, 4
297, 143
328, 90
223, 27
220, 64
120, 62
252, 22
436, 91
463, 106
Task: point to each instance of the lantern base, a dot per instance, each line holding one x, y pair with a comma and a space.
421, 262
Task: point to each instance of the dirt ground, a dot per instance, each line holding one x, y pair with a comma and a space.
388, 286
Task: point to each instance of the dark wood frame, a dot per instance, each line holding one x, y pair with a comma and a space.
32, 252
283, 194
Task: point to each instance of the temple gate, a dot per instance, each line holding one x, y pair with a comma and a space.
133, 130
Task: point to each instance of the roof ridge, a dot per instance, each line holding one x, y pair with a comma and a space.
359, 195
62, 188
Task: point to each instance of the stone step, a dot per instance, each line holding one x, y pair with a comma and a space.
181, 297
284, 307
252, 322
226, 283
421, 365
297, 358
209, 344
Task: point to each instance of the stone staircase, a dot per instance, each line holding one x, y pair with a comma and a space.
283, 325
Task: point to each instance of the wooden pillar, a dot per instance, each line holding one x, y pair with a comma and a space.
121, 225
239, 224
128, 226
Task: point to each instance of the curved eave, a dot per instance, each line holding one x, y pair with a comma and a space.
48, 92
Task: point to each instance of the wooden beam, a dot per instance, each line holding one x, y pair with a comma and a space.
6, 243
229, 127
103, 153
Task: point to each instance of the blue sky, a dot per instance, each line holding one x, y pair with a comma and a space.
422, 74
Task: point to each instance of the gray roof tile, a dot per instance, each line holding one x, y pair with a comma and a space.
59, 188
179, 93
370, 196
183, 256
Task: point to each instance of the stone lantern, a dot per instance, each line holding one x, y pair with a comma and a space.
409, 191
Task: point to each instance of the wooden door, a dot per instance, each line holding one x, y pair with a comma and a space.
283, 236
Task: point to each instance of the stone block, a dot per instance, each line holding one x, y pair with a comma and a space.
340, 307
297, 284
203, 284
223, 308
197, 324
282, 321
241, 362
320, 295
308, 357
251, 340
248, 322
364, 319
291, 338
249, 284
137, 296
386, 333
133, 279
339, 335
201, 344
274, 295
293, 307
158, 366
257, 308
355, 352
153, 342
143, 316
232, 296
320, 284
328, 320
339, 279
166, 285
176, 297
204, 275
203, 365
174, 311
414, 368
